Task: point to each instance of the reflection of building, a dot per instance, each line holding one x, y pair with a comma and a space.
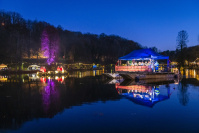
3, 78
32, 76
143, 94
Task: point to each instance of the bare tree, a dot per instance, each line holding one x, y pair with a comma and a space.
182, 40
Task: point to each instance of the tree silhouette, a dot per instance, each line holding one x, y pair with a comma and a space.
22, 40
183, 92
182, 40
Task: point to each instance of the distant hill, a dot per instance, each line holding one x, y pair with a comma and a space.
20, 38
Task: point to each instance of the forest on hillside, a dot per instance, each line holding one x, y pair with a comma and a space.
21, 39
189, 53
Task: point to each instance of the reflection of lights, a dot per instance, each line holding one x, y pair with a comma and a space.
97, 72
56, 77
48, 77
23, 80
56, 71
43, 79
50, 96
194, 73
63, 77
186, 73
80, 74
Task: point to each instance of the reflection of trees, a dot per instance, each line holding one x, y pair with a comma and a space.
183, 94
21, 102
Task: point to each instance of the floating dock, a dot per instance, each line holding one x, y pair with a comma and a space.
148, 75
143, 75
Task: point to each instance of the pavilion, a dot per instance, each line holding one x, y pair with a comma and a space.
140, 60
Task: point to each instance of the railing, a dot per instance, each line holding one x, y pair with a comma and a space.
133, 68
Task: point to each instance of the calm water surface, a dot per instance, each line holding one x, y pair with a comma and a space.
88, 102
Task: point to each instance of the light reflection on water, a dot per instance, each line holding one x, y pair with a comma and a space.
191, 73
88, 102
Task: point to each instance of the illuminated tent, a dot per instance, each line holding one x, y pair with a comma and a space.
143, 54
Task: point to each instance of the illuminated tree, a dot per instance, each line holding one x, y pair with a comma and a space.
50, 44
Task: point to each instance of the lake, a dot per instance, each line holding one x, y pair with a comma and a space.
89, 102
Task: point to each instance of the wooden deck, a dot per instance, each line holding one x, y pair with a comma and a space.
147, 75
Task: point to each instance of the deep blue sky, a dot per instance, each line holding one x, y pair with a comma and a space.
148, 22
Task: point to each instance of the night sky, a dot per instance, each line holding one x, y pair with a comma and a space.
148, 22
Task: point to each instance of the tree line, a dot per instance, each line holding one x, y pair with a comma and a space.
182, 52
21, 39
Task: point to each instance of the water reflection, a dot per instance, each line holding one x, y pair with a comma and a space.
97, 101
191, 73
146, 95
50, 97
44, 98
183, 92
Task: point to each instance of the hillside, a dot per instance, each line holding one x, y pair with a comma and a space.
21, 39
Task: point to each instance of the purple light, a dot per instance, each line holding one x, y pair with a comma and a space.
45, 44
50, 44
50, 96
